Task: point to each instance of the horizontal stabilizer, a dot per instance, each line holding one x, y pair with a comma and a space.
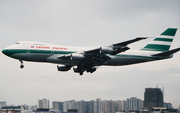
167, 53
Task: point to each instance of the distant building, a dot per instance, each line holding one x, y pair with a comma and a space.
32, 108
109, 106
14, 109
43, 104
2, 104
68, 105
153, 97
120, 105
82, 106
168, 105
90, 106
40, 104
159, 110
98, 106
178, 110
134, 103
57, 106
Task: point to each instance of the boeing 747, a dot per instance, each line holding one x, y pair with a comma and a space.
83, 59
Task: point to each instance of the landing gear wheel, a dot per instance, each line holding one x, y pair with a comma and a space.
94, 69
22, 66
80, 73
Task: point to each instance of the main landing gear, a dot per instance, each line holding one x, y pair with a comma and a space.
81, 70
21, 66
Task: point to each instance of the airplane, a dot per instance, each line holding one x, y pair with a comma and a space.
87, 59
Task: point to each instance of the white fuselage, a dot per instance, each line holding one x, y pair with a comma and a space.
44, 52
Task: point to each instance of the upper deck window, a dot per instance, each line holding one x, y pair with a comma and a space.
17, 43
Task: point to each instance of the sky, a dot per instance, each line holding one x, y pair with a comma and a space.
91, 24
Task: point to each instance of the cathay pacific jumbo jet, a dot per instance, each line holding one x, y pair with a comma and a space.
87, 59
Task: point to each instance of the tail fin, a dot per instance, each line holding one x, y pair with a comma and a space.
162, 42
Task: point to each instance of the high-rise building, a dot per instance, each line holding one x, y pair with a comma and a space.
134, 103
82, 106
109, 106
44, 104
98, 106
90, 106
2, 104
153, 97
65, 106
40, 104
69, 105
57, 106
120, 105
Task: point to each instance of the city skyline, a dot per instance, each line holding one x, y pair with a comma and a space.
50, 106
49, 103
92, 24
93, 106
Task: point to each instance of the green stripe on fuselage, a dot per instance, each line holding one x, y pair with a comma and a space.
10, 52
163, 39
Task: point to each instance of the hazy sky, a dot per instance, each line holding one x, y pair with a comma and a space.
86, 23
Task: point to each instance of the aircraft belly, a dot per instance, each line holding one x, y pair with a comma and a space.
118, 61
35, 57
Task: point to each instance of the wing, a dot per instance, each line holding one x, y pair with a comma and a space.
112, 49
99, 56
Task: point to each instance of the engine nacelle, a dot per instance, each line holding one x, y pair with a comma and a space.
77, 56
63, 68
106, 50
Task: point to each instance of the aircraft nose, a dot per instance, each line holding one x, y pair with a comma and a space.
5, 51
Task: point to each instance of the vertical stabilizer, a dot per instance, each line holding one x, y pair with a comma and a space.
162, 42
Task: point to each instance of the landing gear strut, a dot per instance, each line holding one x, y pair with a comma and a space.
78, 70
81, 69
21, 66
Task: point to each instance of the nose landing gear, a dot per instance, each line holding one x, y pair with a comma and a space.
21, 66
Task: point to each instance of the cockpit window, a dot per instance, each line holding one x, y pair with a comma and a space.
17, 43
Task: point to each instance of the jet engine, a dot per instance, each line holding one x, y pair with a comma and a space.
63, 68
106, 50
77, 56
113, 50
